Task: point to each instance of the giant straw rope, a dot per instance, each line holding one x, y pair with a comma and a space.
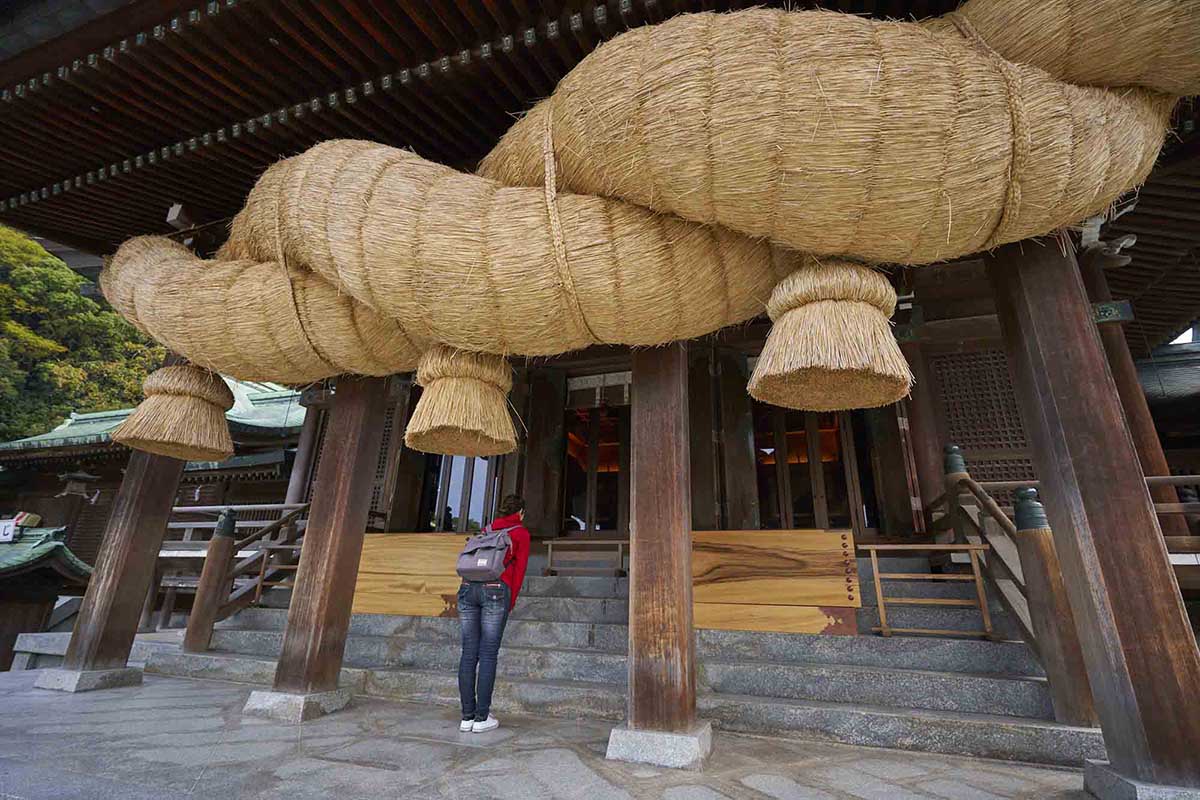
683, 177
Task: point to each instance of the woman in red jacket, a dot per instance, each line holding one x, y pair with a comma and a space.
483, 611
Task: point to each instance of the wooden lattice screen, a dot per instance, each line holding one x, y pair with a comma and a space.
977, 410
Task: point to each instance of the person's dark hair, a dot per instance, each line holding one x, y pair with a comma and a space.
511, 504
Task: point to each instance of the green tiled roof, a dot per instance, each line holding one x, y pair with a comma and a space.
41, 546
257, 408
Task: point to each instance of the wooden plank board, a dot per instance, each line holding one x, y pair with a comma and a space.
780, 619
778, 568
412, 553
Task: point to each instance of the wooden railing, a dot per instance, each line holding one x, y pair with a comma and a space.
601, 556
218, 592
189, 541
972, 550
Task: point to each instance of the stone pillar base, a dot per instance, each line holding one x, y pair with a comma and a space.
678, 750
87, 680
1102, 781
289, 707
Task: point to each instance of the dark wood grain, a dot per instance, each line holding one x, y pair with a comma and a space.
706, 490
1137, 643
108, 618
1133, 396
544, 452
922, 426
662, 668
212, 591
739, 468
1053, 623
319, 616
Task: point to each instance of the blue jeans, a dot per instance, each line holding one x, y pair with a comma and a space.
483, 612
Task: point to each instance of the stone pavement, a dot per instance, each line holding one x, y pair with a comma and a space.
177, 738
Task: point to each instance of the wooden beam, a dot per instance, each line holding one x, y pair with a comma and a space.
1137, 642
1133, 396
706, 490
662, 668
319, 616
547, 442
213, 588
738, 464
922, 425
108, 618
816, 470
1050, 614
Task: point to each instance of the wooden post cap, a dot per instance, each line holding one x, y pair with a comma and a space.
1029, 512
952, 460
226, 524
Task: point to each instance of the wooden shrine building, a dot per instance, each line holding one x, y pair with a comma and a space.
726, 514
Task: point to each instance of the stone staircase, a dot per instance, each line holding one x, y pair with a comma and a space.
564, 652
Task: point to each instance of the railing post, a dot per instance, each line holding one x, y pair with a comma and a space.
1050, 614
955, 468
213, 588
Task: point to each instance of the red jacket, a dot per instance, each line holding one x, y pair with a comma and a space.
518, 555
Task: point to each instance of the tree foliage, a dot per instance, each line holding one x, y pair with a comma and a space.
60, 351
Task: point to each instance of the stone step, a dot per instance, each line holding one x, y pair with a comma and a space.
894, 688
528, 633
891, 564
978, 735
574, 586
902, 652
572, 609
558, 698
540, 663
976, 656
963, 590
938, 618
981, 735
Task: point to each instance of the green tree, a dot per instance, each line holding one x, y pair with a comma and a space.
60, 351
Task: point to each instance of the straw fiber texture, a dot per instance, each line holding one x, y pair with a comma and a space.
183, 416
464, 406
668, 186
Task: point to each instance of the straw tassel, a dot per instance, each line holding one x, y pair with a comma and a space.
831, 346
463, 409
183, 416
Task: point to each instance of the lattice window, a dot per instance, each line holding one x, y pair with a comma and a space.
381, 465
978, 402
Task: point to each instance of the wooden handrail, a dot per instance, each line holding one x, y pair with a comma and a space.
278, 524
247, 507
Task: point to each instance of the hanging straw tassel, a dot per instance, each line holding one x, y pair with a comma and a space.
831, 347
183, 416
463, 410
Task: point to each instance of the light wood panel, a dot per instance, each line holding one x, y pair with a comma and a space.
780, 619
799, 581
409, 573
778, 568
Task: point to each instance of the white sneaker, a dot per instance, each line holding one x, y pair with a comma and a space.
489, 724
466, 726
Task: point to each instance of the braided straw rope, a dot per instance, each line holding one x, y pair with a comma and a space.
669, 184
183, 416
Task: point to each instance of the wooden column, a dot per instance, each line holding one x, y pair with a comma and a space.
1133, 396
738, 464
922, 425
213, 588
1138, 646
543, 488
108, 618
1050, 614
306, 452
706, 487
319, 615
662, 674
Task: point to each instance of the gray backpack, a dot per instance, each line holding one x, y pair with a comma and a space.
482, 559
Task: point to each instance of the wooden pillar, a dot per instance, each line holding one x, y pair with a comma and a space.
662, 673
1138, 646
306, 452
1133, 396
213, 588
1050, 614
738, 464
706, 488
112, 607
543, 488
319, 615
922, 425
